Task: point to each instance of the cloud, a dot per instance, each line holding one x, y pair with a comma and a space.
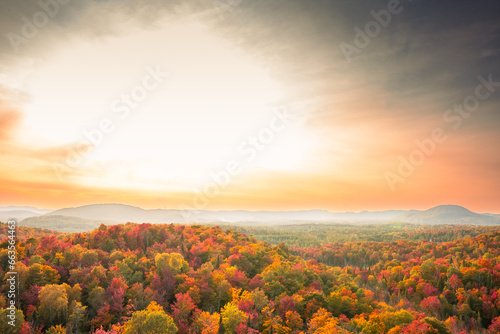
9, 119
369, 111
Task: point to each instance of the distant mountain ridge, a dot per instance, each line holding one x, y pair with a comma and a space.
90, 216
16, 214
23, 208
127, 213
64, 223
20, 212
447, 214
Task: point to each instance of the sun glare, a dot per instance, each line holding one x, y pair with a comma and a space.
211, 99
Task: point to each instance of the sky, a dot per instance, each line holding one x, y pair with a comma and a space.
250, 104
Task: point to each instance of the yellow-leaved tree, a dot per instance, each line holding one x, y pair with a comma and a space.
207, 323
152, 320
53, 309
174, 261
232, 317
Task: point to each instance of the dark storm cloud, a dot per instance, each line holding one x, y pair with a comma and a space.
69, 19
430, 48
427, 59
444, 44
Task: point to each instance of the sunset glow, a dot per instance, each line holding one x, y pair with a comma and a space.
152, 109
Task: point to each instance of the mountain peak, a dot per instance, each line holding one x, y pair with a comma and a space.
446, 214
450, 208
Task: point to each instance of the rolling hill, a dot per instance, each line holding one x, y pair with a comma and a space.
16, 215
19, 212
126, 213
112, 212
88, 217
447, 214
63, 223
24, 208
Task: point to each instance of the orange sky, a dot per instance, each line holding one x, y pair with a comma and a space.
217, 108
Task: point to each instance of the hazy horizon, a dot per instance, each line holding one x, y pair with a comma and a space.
52, 209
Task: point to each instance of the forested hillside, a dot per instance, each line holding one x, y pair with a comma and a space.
312, 235
25, 232
196, 279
